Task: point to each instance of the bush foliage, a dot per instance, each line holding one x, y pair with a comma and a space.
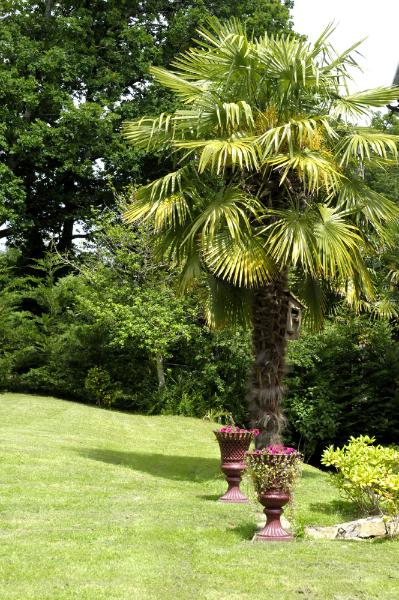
366, 474
343, 381
94, 329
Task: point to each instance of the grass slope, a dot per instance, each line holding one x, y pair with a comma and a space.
107, 506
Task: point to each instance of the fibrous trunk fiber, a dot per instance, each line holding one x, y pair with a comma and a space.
266, 390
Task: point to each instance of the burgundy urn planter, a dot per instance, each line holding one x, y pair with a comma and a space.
273, 471
233, 446
273, 501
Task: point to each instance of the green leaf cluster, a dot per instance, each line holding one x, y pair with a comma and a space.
367, 474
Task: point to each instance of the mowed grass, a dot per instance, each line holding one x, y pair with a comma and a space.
103, 505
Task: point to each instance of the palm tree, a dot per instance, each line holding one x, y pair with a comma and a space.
395, 107
268, 182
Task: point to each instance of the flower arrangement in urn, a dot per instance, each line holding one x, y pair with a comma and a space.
274, 471
234, 443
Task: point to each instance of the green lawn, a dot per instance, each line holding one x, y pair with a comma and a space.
105, 506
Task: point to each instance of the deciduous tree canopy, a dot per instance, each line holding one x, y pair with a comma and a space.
67, 69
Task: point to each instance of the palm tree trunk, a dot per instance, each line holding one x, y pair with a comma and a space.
266, 390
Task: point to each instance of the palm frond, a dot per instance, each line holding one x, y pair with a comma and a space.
162, 195
227, 305
171, 183
313, 293
191, 271
295, 134
377, 97
229, 207
363, 143
347, 110
148, 133
315, 169
359, 104
169, 212
223, 53
356, 197
320, 44
359, 290
172, 245
290, 238
164, 212
243, 261
193, 65
338, 243
234, 115
340, 65
211, 116
229, 39
386, 307
218, 154
216, 31
320, 240
287, 60
189, 92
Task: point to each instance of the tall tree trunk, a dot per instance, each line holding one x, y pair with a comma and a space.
48, 8
266, 390
34, 246
65, 241
160, 371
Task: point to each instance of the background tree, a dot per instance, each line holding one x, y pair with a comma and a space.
343, 381
94, 335
268, 179
69, 72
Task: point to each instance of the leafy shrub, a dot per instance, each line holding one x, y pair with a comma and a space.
39, 379
99, 386
367, 474
341, 382
6, 364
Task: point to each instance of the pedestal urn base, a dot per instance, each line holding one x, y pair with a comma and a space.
233, 472
273, 501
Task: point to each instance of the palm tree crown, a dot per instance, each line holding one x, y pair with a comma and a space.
268, 172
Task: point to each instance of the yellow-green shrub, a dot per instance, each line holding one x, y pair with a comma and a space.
366, 474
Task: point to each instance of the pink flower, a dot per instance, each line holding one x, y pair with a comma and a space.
280, 449
231, 429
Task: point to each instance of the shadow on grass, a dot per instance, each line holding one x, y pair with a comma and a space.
310, 474
245, 531
335, 507
178, 468
211, 497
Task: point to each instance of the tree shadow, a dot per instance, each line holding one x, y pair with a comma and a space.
244, 531
178, 468
211, 497
335, 507
310, 474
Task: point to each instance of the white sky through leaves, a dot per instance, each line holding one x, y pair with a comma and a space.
356, 19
